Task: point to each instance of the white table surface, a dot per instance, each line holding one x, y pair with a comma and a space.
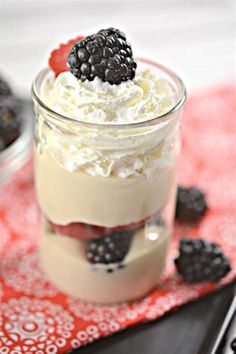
194, 37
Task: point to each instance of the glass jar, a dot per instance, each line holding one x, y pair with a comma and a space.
105, 228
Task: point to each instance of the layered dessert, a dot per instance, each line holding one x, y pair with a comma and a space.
106, 151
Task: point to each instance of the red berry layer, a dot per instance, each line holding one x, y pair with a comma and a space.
86, 231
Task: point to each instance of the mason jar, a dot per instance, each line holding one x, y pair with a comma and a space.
107, 197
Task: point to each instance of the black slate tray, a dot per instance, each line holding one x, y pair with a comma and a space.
192, 329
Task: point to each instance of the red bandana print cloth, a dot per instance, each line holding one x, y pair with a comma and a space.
36, 318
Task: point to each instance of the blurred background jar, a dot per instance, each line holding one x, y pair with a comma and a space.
16, 126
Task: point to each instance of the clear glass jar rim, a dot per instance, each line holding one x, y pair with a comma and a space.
182, 95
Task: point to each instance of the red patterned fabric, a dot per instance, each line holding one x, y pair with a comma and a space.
36, 318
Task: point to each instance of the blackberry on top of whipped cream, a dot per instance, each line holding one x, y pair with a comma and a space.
106, 154
105, 55
87, 93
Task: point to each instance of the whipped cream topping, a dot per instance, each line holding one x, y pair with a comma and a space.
120, 155
147, 96
110, 152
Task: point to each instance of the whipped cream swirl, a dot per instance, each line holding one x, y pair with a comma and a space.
147, 96
113, 152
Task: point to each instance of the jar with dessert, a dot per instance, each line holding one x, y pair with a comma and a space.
106, 152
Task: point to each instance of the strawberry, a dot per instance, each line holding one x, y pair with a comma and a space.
79, 230
58, 58
86, 232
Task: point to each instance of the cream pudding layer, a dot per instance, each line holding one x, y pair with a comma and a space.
67, 197
63, 259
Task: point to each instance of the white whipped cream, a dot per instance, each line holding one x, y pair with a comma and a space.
113, 152
147, 96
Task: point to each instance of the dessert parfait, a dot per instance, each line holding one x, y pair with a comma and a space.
106, 152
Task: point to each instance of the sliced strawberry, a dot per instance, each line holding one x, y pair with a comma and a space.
58, 58
79, 230
86, 232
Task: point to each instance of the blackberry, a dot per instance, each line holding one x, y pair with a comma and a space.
200, 260
106, 55
112, 248
4, 88
191, 204
10, 120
